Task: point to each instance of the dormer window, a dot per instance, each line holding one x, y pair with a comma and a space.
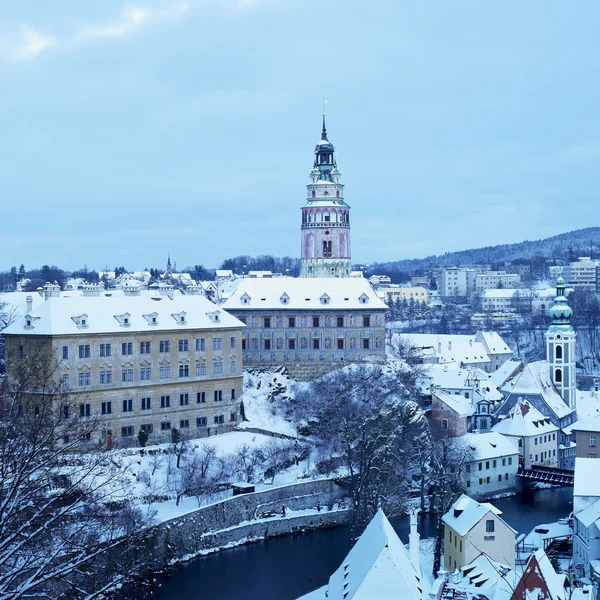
152, 318
124, 319
215, 316
81, 321
363, 299
284, 298
180, 318
245, 298
325, 299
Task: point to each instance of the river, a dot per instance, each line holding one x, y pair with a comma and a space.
287, 567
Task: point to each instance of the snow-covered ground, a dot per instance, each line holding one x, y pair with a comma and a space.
262, 389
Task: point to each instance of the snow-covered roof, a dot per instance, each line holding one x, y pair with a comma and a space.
499, 293
465, 513
507, 371
587, 482
524, 420
592, 425
490, 445
304, 294
588, 404
462, 406
101, 314
590, 514
539, 581
450, 348
378, 566
481, 574
535, 379
454, 377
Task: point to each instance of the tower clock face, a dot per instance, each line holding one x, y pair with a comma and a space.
325, 193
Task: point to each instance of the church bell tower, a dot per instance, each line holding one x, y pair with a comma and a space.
560, 346
325, 232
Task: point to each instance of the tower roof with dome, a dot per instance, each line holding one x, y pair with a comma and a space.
324, 163
560, 312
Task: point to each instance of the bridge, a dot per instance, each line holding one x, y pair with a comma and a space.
547, 475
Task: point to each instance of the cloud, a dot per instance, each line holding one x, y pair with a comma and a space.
132, 17
130, 20
31, 44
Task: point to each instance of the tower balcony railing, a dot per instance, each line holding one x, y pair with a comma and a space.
325, 224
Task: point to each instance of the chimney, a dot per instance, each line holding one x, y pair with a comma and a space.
29, 300
450, 345
471, 342
413, 542
439, 347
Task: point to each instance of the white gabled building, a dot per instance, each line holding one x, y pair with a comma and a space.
494, 466
536, 436
378, 567
472, 528
586, 513
486, 349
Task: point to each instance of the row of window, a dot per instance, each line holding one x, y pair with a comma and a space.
546, 438
183, 345
129, 430
486, 480
146, 403
494, 464
291, 344
127, 375
543, 456
315, 320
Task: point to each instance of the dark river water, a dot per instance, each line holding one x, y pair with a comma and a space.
287, 567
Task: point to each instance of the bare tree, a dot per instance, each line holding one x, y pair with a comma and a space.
247, 461
62, 514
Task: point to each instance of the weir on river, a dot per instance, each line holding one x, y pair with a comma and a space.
287, 567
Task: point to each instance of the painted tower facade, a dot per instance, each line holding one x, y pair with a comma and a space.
560, 347
325, 250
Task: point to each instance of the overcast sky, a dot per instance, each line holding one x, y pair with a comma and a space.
134, 130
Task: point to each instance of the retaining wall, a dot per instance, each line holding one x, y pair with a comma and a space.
235, 518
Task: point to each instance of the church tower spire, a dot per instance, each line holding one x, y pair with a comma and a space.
325, 232
560, 346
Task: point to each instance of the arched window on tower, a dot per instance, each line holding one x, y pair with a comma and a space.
313, 193
337, 194
559, 352
327, 252
557, 376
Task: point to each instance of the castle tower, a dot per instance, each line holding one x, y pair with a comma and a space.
325, 230
560, 346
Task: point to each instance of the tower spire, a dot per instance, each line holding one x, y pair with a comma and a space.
324, 130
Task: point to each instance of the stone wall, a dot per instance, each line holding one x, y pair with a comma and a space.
234, 519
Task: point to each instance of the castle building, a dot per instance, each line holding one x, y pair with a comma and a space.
325, 248
138, 363
560, 347
326, 318
310, 326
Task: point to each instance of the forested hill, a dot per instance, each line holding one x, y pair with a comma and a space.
565, 245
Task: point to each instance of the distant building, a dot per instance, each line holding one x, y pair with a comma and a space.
506, 300
311, 326
495, 280
393, 293
472, 528
581, 274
